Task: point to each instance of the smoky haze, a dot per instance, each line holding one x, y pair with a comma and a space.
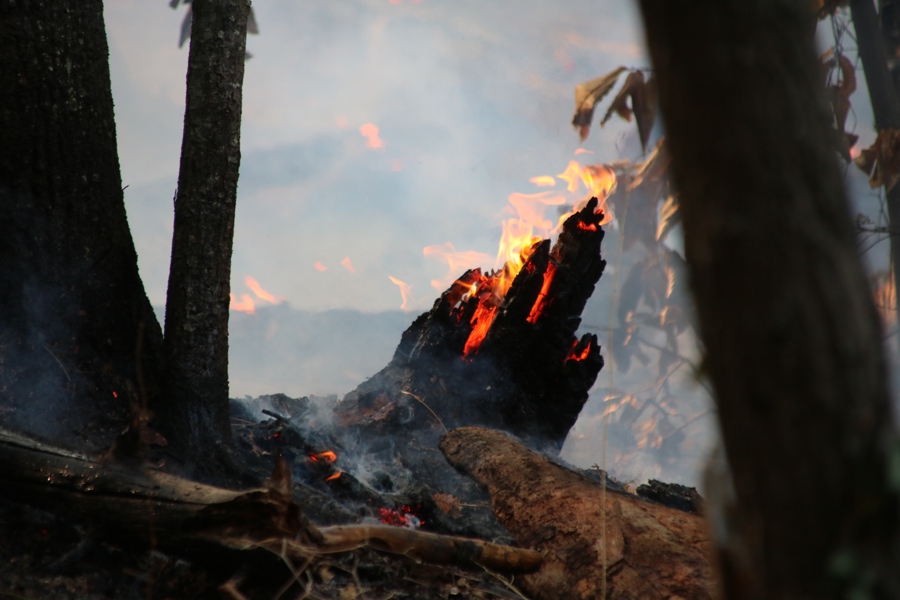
372, 129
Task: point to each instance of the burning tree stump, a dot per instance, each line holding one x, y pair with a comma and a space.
597, 543
498, 349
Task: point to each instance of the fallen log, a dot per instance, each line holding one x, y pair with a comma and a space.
596, 543
146, 506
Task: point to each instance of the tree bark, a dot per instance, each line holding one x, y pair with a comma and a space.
195, 411
792, 338
596, 543
74, 317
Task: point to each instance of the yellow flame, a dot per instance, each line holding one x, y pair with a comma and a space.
405, 292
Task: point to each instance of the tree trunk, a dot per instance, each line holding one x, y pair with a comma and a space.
195, 411
73, 312
793, 342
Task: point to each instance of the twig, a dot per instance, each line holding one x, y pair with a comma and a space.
422, 402
59, 362
507, 582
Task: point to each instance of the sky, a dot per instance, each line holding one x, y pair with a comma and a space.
371, 130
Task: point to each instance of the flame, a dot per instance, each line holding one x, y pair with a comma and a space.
246, 304
543, 181
583, 151
520, 235
335, 476
259, 291
319, 267
456, 262
327, 456
348, 265
404, 291
370, 132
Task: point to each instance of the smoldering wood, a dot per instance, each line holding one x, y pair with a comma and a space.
530, 378
594, 540
145, 506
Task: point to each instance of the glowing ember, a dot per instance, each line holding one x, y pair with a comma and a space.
370, 132
582, 355
259, 291
319, 267
333, 477
115, 395
246, 304
328, 456
405, 293
348, 265
543, 299
401, 516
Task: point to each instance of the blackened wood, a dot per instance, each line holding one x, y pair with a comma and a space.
792, 338
530, 375
72, 306
194, 412
596, 543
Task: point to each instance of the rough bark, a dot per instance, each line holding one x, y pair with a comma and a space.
596, 543
73, 311
195, 410
793, 342
883, 94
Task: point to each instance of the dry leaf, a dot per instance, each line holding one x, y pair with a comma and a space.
669, 217
447, 503
643, 104
653, 167
881, 161
587, 95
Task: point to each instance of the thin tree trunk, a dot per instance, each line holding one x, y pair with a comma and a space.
195, 412
792, 338
885, 105
73, 312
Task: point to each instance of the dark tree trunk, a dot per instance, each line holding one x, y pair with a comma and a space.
73, 312
793, 342
195, 410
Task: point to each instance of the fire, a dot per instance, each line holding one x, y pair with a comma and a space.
259, 291
401, 516
370, 132
328, 456
456, 262
348, 265
246, 304
405, 293
335, 476
528, 226
318, 266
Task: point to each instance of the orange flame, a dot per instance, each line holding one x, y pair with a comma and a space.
246, 304
348, 265
456, 261
522, 232
370, 132
405, 292
582, 355
333, 477
319, 267
259, 291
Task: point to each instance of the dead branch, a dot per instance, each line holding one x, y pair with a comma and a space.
591, 538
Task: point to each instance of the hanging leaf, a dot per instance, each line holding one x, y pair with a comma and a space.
252, 27
669, 217
185, 27
643, 104
653, 167
881, 161
587, 95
